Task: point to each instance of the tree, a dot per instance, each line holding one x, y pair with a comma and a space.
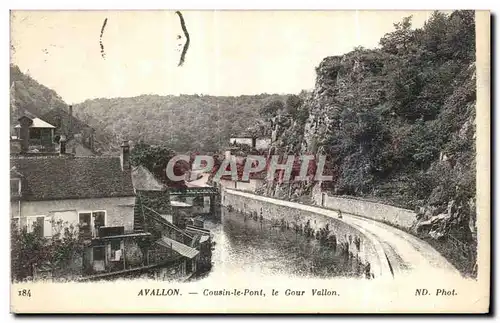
271, 108
292, 104
62, 252
398, 42
155, 158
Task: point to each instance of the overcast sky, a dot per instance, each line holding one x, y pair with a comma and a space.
231, 53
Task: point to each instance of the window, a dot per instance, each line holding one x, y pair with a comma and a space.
40, 224
91, 221
15, 186
99, 218
35, 133
84, 224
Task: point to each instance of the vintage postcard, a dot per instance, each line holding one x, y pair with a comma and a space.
250, 161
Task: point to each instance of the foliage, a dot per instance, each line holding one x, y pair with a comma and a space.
396, 111
292, 105
58, 252
28, 95
398, 122
184, 123
271, 107
155, 159
400, 40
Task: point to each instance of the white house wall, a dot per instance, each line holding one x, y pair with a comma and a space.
242, 141
119, 210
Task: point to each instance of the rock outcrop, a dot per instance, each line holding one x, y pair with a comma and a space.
397, 124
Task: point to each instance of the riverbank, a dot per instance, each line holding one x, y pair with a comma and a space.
396, 251
279, 248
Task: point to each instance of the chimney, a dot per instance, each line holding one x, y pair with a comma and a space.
125, 156
62, 145
70, 121
24, 133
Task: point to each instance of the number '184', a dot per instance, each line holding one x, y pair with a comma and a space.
24, 292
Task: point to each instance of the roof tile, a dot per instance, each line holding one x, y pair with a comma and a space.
69, 177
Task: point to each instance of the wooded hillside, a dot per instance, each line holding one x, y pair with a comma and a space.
27, 95
184, 123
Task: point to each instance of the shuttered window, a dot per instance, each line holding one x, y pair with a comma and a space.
40, 225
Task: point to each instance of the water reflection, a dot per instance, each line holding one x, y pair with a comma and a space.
245, 244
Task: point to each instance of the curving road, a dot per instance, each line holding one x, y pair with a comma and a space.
399, 252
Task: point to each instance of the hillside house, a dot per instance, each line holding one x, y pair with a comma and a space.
255, 142
43, 134
33, 134
94, 194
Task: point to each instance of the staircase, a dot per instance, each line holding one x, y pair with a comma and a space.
138, 219
138, 224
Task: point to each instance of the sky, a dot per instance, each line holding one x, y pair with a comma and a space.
230, 52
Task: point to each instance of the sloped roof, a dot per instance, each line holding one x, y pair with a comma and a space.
68, 177
38, 123
178, 247
144, 180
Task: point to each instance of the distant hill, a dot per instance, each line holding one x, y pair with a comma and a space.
184, 123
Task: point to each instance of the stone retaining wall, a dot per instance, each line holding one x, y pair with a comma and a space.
381, 212
274, 209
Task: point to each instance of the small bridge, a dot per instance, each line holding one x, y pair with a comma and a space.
200, 192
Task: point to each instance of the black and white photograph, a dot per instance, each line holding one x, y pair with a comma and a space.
249, 161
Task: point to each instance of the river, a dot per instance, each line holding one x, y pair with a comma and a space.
245, 245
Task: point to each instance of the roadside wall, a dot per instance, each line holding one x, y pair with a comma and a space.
274, 209
249, 186
377, 211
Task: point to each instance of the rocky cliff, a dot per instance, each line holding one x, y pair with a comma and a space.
398, 126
